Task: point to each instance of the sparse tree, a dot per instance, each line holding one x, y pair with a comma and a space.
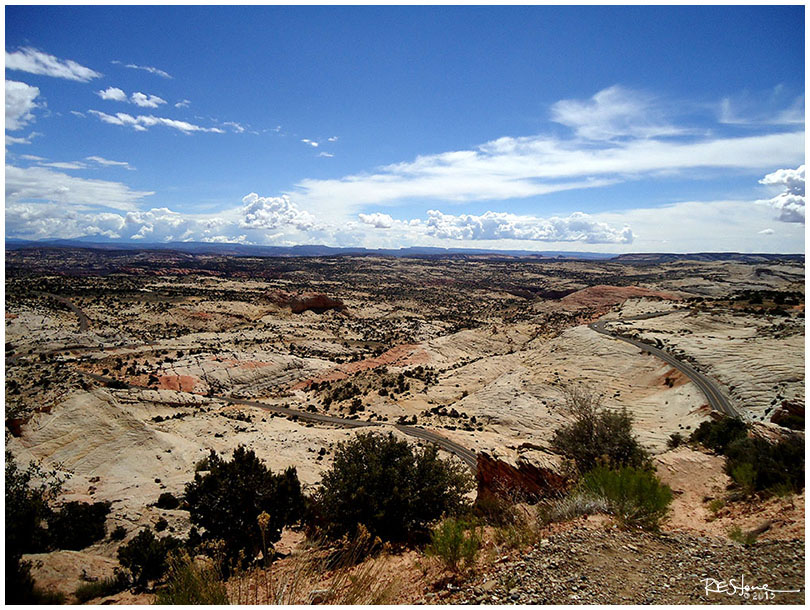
228, 499
597, 436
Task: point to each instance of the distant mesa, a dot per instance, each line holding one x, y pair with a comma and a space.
310, 301
603, 295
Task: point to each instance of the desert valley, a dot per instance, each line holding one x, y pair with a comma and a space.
125, 368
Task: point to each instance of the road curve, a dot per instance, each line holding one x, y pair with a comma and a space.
84, 322
467, 456
709, 387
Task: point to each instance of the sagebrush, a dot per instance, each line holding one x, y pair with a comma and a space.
634, 496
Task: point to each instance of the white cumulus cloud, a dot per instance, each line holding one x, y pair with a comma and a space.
112, 93
377, 220
146, 101
577, 227
790, 202
273, 213
19, 104
34, 61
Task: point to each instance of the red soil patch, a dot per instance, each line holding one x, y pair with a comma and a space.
181, 383
200, 314
604, 295
675, 377
401, 355
12, 316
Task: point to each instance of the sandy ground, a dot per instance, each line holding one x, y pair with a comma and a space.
697, 478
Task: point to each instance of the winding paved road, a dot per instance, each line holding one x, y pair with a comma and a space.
708, 386
84, 322
711, 390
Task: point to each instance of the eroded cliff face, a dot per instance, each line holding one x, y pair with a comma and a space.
311, 301
526, 480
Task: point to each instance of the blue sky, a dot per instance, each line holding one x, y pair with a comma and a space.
611, 129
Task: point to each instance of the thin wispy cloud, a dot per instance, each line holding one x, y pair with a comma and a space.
183, 104
65, 164
310, 142
236, 127
109, 163
10, 140
37, 184
771, 107
614, 112
144, 122
606, 147
28, 59
150, 69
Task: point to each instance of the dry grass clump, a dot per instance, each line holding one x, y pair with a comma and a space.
571, 506
352, 574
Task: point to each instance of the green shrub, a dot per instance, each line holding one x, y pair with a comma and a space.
740, 537
228, 499
517, 534
716, 505
102, 588
167, 501
190, 583
745, 476
635, 496
392, 489
717, 435
455, 543
146, 556
119, 533
758, 465
78, 525
27, 496
675, 440
597, 436
495, 510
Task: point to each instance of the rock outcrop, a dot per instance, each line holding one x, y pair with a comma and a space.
789, 415
525, 480
299, 303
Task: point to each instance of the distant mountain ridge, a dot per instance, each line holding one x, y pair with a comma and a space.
235, 249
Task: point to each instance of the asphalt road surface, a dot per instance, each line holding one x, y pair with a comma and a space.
708, 386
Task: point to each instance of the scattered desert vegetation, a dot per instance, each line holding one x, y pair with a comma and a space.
212, 429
